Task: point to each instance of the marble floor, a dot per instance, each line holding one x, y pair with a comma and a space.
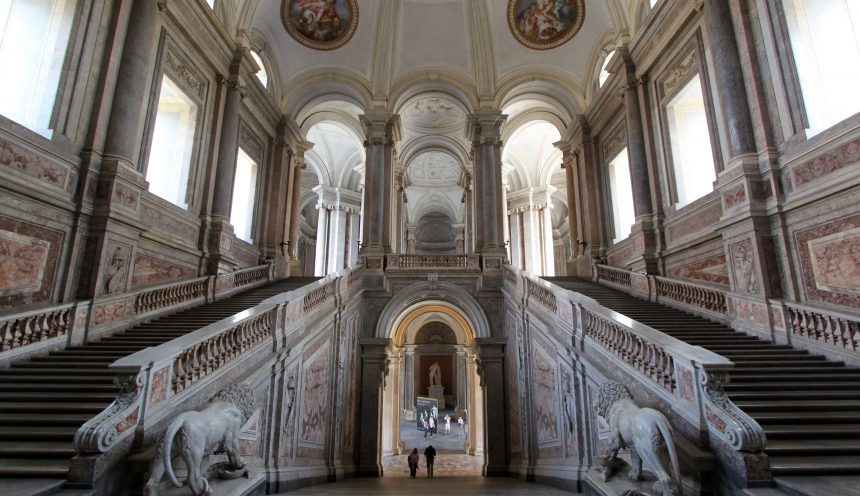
411, 437
459, 486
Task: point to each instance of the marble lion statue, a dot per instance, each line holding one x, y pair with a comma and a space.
214, 430
645, 431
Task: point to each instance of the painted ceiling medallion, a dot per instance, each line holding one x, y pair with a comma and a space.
320, 24
545, 24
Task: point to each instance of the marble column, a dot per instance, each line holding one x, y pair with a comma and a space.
491, 354
382, 132
321, 258
354, 237
547, 240
568, 163
374, 369
398, 228
468, 204
516, 239
460, 238
484, 131
506, 225
593, 213
411, 233
729, 79
297, 165
461, 404
276, 196
225, 168
337, 238
531, 239
409, 382
131, 98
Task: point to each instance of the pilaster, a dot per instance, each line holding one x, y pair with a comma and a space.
483, 129
491, 354
374, 370
382, 132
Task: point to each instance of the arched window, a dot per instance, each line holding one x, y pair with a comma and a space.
825, 42
604, 74
261, 74
34, 35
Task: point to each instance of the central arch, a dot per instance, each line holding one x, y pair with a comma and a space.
429, 322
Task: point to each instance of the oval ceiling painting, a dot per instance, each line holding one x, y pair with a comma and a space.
545, 24
320, 24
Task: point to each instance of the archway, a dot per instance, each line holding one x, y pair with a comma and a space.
427, 328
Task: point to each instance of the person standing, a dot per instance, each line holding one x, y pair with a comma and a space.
462, 425
426, 427
412, 459
430, 456
432, 422
447, 424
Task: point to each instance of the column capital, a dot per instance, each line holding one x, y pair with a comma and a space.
380, 128
485, 127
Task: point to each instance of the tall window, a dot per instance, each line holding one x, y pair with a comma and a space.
825, 41
261, 74
621, 191
172, 144
33, 39
690, 141
604, 74
244, 191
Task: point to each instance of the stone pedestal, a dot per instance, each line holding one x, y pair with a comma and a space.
438, 394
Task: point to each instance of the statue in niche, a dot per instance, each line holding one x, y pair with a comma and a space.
743, 267
569, 406
289, 402
645, 431
114, 275
435, 374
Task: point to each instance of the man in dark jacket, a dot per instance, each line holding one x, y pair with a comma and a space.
430, 455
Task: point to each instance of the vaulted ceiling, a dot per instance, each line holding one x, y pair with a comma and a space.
433, 62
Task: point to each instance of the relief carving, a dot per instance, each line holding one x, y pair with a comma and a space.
743, 267
116, 272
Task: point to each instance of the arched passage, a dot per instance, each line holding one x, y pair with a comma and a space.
432, 323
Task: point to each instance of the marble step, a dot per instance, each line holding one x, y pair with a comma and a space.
66, 378
43, 419
75, 359
778, 359
788, 394
792, 364
791, 376
776, 354
48, 407
33, 467
86, 351
794, 386
811, 431
69, 396
36, 449
61, 364
808, 465
58, 388
822, 417
797, 447
55, 369
780, 405
826, 367
37, 433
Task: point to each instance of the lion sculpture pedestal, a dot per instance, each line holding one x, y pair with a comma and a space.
645, 431
213, 430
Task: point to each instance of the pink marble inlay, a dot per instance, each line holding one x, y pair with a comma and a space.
827, 163
685, 385
108, 313
715, 420
712, 270
149, 271
828, 253
159, 387
22, 262
735, 197
32, 165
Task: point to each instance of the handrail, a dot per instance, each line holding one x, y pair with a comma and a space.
706, 297
397, 262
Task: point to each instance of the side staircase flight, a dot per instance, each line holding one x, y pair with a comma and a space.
45, 399
809, 407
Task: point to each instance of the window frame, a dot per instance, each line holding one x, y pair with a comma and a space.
613, 145
683, 73
172, 63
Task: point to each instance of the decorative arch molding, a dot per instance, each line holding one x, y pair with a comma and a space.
259, 42
451, 84
524, 118
427, 293
427, 206
324, 84
539, 80
434, 143
339, 118
608, 41
415, 319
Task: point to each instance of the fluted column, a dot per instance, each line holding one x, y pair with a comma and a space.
321, 259
398, 218
568, 163
382, 131
547, 241
484, 131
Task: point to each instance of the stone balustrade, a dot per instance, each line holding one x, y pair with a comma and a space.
691, 294
403, 263
835, 329
613, 275
168, 295
25, 328
155, 382
687, 377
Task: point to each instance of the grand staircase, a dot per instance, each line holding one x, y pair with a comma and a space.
808, 406
44, 400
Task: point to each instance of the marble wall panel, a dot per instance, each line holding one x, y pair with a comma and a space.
827, 163
735, 196
29, 260
245, 254
744, 267
545, 394
829, 256
149, 271
32, 165
513, 386
168, 224
711, 270
315, 394
691, 225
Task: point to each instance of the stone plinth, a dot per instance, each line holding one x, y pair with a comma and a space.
438, 394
